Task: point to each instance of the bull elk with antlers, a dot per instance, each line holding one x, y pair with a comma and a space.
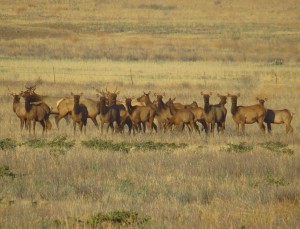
109, 114
247, 114
36, 111
283, 116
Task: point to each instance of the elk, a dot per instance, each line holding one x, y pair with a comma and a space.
181, 117
65, 106
37, 112
209, 112
51, 101
221, 112
112, 101
247, 114
163, 113
79, 113
141, 115
109, 114
19, 109
283, 116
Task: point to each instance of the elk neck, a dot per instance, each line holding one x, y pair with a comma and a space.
76, 107
27, 104
103, 108
207, 106
234, 107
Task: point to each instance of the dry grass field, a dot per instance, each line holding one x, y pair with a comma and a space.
152, 180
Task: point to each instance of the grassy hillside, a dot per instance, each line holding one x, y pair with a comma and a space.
139, 30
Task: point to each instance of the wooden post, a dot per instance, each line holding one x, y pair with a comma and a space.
53, 75
131, 77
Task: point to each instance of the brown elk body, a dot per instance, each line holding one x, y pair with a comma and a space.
181, 117
163, 113
79, 113
221, 112
141, 115
19, 109
109, 114
247, 114
283, 116
65, 106
38, 112
209, 112
51, 101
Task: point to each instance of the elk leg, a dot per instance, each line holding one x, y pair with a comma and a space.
196, 127
102, 124
243, 127
74, 126
34, 122
58, 118
95, 122
261, 125
22, 124
80, 127
43, 125
269, 127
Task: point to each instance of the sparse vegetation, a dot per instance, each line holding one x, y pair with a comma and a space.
121, 218
242, 147
277, 147
127, 147
7, 143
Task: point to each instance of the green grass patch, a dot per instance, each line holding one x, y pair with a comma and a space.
242, 147
60, 142
117, 218
278, 181
126, 147
277, 147
7, 143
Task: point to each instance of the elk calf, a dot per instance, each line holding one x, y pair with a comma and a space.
79, 113
283, 116
247, 114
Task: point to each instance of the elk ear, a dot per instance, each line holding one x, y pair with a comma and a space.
174, 99
266, 99
81, 94
202, 93
98, 95
218, 95
257, 98
238, 95
210, 93
229, 95
72, 93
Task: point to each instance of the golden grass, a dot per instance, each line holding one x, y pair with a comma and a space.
135, 30
201, 185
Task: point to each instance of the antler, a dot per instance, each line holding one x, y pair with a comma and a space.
30, 86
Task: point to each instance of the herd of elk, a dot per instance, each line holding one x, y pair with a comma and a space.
142, 113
